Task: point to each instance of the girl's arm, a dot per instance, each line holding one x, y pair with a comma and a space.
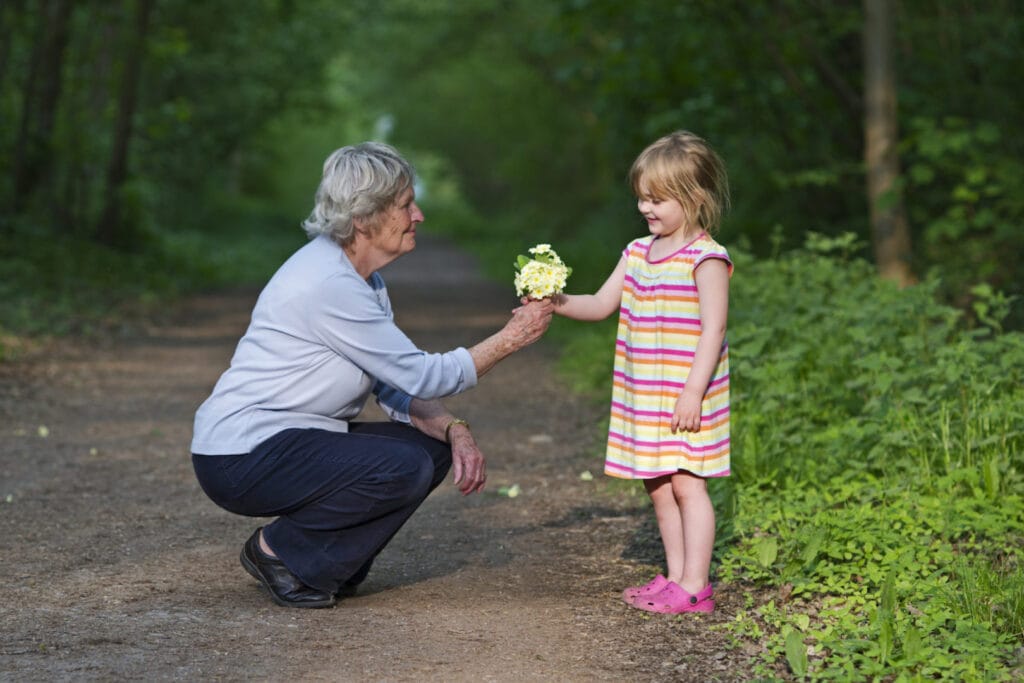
713, 293
591, 307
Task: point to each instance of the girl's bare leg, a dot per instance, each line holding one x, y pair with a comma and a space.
697, 521
666, 510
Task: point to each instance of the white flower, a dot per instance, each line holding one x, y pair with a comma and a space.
543, 275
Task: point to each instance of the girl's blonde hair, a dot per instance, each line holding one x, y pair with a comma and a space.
682, 166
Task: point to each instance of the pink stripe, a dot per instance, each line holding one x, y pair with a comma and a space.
636, 350
661, 445
651, 382
642, 413
683, 322
637, 286
643, 474
710, 417
648, 382
640, 351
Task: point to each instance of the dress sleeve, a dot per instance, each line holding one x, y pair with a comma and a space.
713, 250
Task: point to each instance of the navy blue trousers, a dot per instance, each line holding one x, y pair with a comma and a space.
338, 497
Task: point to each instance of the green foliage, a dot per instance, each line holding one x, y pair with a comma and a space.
209, 87
970, 202
50, 287
537, 110
878, 447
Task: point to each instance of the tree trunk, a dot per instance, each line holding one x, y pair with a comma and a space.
890, 234
11, 17
111, 229
32, 150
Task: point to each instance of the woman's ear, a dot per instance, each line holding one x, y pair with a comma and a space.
362, 225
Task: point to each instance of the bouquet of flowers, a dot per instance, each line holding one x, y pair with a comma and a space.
542, 275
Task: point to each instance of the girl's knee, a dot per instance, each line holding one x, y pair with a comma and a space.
686, 485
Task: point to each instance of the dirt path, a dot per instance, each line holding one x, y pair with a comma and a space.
114, 566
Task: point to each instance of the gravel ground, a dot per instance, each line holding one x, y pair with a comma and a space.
115, 566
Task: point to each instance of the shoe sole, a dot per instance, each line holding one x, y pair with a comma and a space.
250, 567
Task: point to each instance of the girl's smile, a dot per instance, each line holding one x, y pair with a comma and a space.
664, 216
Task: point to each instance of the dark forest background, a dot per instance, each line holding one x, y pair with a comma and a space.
151, 147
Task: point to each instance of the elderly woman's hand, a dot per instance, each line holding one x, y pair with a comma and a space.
529, 322
468, 467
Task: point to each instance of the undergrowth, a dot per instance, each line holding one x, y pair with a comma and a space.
55, 285
877, 472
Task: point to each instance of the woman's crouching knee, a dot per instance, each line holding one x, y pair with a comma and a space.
410, 477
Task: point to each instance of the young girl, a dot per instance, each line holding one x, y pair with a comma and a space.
670, 397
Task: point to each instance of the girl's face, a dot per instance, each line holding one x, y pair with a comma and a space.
664, 216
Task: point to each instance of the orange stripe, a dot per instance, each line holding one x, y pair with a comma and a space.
643, 458
654, 296
655, 328
621, 353
656, 361
656, 422
717, 392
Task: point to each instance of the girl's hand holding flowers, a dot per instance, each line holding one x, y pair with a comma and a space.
541, 276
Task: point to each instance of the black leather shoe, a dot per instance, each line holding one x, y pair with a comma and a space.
285, 588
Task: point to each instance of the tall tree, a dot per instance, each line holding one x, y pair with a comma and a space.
890, 234
40, 99
10, 15
110, 229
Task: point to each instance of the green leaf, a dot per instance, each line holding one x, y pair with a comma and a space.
912, 643
796, 653
767, 551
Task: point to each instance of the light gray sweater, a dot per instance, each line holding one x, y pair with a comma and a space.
320, 341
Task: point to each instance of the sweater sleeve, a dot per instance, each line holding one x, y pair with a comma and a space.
353, 319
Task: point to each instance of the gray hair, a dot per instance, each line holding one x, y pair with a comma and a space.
358, 182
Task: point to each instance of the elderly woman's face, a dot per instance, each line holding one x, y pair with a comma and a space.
396, 226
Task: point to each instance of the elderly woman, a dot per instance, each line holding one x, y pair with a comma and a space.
276, 436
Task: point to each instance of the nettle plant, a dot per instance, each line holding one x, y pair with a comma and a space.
877, 471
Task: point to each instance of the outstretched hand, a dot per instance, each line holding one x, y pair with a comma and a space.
529, 322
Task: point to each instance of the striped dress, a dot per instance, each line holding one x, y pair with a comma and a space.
659, 325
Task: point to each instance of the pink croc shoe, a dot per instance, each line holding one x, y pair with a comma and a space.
673, 599
650, 588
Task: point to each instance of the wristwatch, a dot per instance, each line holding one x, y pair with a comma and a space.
448, 429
